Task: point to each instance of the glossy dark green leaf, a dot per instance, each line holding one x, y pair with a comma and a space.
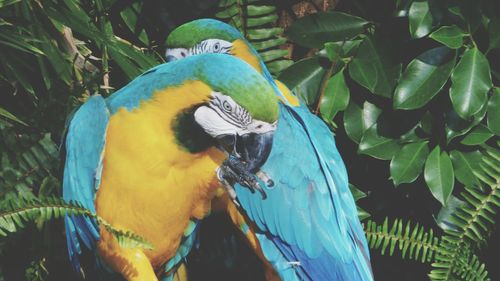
463, 164
439, 175
362, 214
446, 216
471, 81
357, 119
315, 30
374, 66
353, 122
494, 112
494, 33
304, 78
408, 163
451, 36
477, 135
456, 126
336, 97
377, 146
402, 8
424, 77
356, 192
420, 18
336, 50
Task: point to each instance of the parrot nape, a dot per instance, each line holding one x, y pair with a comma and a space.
146, 159
308, 227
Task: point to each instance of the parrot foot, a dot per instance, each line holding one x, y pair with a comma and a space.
232, 171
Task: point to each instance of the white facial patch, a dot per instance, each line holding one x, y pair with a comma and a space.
224, 116
204, 47
177, 54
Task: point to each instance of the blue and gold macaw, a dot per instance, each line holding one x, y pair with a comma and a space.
146, 159
307, 228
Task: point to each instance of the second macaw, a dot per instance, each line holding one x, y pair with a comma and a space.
307, 228
145, 159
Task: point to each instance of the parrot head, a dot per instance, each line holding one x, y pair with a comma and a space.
242, 111
210, 36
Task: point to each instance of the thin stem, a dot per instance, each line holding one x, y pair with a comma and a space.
324, 82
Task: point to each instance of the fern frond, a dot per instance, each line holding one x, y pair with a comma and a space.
457, 263
258, 24
50, 208
414, 242
34, 164
472, 223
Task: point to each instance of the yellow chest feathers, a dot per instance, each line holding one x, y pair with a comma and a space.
150, 184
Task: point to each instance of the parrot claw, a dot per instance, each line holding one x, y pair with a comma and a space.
232, 171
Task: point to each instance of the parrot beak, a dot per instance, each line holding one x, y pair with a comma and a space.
253, 148
170, 58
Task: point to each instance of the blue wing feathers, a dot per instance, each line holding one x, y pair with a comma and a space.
84, 146
309, 216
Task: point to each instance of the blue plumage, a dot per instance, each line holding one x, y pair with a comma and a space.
310, 215
84, 143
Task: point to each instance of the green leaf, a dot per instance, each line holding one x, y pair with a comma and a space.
357, 119
253, 10
356, 192
277, 66
362, 214
451, 36
336, 96
494, 33
313, 31
375, 145
263, 33
336, 50
493, 112
402, 7
374, 67
424, 77
353, 122
4, 3
262, 45
438, 174
10, 116
304, 78
471, 81
420, 18
456, 126
408, 163
446, 215
477, 135
464, 163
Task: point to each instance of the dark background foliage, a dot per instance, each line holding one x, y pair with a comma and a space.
55, 53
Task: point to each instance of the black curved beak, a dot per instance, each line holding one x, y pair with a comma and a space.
170, 58
252, 148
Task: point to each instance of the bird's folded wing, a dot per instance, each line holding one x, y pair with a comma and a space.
309, 215
84, 150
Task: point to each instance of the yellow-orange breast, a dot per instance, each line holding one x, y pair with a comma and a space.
149, 184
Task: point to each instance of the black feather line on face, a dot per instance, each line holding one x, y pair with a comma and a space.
237, 115
189, 134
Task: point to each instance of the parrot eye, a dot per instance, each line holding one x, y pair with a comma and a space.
226, 106
216, 46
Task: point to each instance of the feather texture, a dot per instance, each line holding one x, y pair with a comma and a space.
310, 215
